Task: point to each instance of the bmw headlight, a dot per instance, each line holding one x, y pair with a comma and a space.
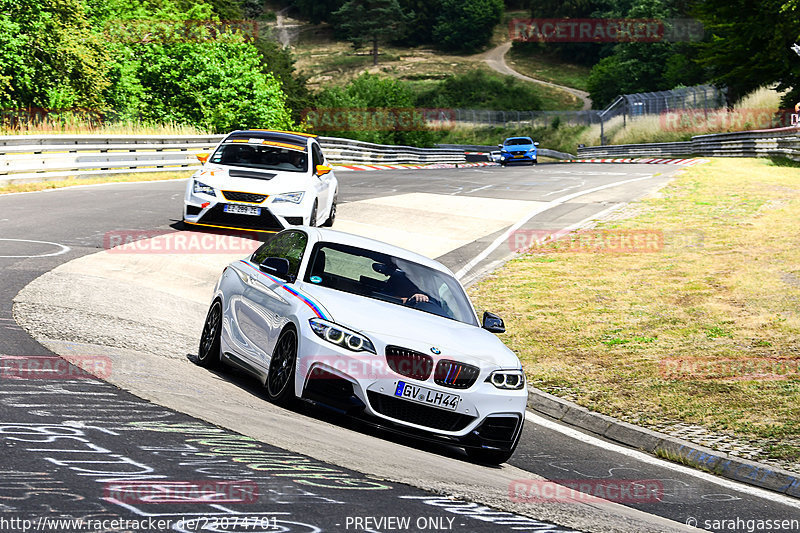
290, 197
341, 336
199, 186
507, 379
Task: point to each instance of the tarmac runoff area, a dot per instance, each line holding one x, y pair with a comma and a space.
145, 311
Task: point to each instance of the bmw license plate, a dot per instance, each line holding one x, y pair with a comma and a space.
242, 209
427, 396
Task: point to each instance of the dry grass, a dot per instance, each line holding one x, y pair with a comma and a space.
754, 111
72, 182
82, 124
327, 62
596, 328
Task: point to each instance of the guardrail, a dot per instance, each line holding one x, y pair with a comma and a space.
779, 142
30, 158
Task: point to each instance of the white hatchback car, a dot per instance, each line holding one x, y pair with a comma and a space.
371, 330
262, 180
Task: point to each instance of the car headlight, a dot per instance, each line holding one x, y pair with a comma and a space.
199, 186
341, 336
290, 197
507, 379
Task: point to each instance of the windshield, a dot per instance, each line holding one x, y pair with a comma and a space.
261, 156
390, 279
516, 142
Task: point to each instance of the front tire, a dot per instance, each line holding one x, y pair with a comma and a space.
312, 220
280, 378
332, 216
208, 354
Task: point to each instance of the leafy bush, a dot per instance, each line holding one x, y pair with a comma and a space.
479, 90
144, 61
374, 103
218, 86
50, 57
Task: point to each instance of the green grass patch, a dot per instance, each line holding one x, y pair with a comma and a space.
540, 66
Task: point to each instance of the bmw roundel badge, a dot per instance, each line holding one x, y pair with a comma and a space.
435, 350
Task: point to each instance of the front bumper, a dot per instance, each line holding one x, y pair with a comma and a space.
205, 210
511, 159
362, 385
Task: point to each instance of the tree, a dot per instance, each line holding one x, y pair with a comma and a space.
363, 21
748, 42
317, 10
422, 15
467, 25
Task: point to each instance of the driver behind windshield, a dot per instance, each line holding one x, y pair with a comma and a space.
398, 284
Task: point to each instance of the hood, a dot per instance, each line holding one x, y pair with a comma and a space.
387, 323
519, 147
273, 182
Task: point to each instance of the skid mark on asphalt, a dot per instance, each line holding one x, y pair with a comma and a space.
430, 224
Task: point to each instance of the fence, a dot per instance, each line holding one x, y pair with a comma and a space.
781, 142
486, 117
704, 97
29, 158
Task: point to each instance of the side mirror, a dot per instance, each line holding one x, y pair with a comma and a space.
536, 144
278, 267
493, 323
203, 157
499, 145
323, 169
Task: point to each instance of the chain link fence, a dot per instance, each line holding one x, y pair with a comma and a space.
700, 97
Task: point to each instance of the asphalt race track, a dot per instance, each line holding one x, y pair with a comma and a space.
70, 444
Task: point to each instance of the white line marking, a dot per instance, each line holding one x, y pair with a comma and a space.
652, 460
63, 249
566, 189
539, 209
479, 189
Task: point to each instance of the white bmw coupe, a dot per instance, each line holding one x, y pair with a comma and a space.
371, 330
262, 180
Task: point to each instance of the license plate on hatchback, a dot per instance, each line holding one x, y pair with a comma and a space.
518, 156
427, 396
242, 209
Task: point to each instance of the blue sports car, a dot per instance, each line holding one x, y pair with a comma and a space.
518, 150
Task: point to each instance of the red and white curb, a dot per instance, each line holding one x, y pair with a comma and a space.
650, 161
413, 167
